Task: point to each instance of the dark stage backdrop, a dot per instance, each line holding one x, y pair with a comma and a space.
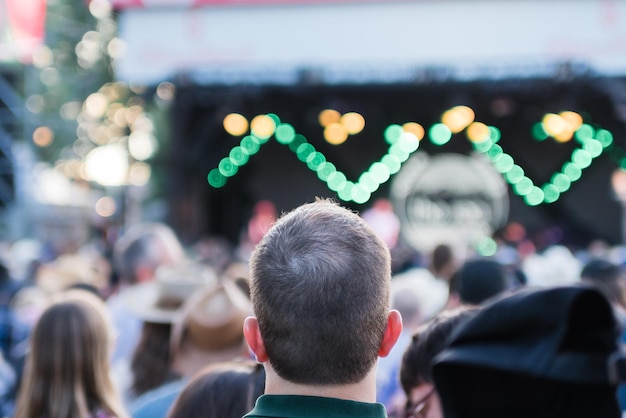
588, 210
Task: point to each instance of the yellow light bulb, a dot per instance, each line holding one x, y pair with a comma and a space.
554, 124
335, 134
328, 116
235, 124
262, 126
573, 119
353, 122
478, 132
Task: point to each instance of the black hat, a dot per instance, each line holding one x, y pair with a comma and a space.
537, 353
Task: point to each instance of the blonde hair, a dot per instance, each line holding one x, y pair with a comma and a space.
67, 370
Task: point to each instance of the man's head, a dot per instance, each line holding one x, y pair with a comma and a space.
428, 341
320, 287
607, 277
142, 249
480, 279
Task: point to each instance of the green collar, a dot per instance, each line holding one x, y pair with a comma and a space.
292, 406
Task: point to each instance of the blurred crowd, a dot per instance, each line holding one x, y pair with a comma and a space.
149, 327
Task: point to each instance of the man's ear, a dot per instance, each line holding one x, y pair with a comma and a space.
253, 336
392, 333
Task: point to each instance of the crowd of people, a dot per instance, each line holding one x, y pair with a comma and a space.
322, 313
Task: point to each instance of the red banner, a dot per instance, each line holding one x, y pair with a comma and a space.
22, 26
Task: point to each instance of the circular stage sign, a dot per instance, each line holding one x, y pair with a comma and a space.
448, 198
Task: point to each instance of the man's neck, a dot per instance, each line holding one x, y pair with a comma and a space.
363, 391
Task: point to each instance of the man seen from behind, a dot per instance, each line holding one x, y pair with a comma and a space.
320, 283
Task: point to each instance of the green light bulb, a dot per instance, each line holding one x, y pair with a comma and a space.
393, 133
216, 179
551, 193
439, 134
227, 168
535, 196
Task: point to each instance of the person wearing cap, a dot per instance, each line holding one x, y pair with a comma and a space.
320, 285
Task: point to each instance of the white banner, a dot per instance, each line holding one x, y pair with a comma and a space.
372, 41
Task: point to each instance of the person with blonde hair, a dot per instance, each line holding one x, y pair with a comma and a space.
67, 369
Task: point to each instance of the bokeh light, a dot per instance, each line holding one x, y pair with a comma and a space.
314, 160
139, 173
235, 124
43, 136
457, 118
216, 179
107, 165
486, 247
304, 150
263, 126
335, 134
353, 122
538, 132
534, 197
95, 105
166, 91
561, 182
524, 186
553, 124
439, 134
328, 116
551, 193
325, 170
392, 133
141, 145
478, 132
285, 133
573, 120
515, 174
605, 137
238, 156
414, 128
105, 206
227, 167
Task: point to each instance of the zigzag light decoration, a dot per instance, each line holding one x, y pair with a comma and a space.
401, 145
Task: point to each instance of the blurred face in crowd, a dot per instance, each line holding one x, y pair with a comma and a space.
424, 402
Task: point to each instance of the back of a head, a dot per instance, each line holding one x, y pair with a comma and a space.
427, 342
67, 371
607, 277
442, 261
480, 279
320, 287
149, 245
226, 390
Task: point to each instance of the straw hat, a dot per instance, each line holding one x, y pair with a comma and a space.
159, 300
209, 327
71, 269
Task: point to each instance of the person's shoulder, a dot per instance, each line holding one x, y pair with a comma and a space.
102, 414
157, 402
